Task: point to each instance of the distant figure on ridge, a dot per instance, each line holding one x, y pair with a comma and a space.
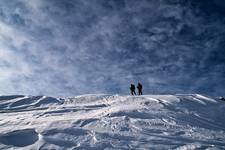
139, 87
132, 89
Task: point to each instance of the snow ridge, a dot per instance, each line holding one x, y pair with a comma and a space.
190, 121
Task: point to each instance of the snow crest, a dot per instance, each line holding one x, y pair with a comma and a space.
112, 122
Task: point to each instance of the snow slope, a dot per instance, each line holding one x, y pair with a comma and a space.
112, 122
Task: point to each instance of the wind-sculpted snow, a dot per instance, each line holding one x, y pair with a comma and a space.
26, 103
112, 122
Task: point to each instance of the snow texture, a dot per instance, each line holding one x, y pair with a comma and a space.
180, 122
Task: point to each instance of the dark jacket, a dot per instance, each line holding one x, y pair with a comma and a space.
139, 86
132, 87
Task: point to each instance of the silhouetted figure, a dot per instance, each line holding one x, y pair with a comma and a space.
139, 87
132, 89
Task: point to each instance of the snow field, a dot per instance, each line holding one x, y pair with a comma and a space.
112, 122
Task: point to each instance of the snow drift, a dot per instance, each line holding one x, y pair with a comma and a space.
112, 122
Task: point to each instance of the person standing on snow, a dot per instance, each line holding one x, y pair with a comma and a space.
132, 89
139, 87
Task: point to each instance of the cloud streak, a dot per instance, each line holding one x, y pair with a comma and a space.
65, 48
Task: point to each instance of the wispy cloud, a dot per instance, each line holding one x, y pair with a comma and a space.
56, 47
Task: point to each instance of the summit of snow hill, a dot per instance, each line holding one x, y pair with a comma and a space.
181, 121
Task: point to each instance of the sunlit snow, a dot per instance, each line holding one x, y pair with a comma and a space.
112, 122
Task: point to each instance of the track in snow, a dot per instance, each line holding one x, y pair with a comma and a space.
112, 122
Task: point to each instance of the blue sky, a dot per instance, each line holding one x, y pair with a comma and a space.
72, 47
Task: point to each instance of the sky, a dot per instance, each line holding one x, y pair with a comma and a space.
73, 47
